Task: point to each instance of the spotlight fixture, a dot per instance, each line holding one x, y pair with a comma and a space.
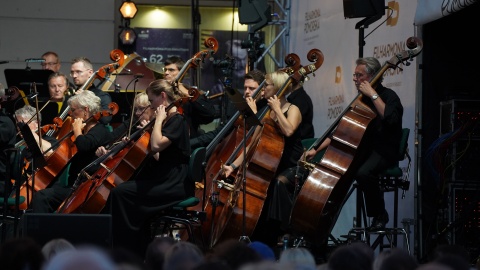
128, 10
127, 36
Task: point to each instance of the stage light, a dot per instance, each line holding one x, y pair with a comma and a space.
127, 36
128, 10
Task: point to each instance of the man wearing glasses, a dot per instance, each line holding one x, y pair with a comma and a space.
81, 71
52, 62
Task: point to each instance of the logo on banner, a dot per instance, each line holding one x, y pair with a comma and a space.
312, 21
394, 7
311, 26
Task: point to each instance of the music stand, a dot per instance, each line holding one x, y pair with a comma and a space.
24, 78
49, 111
250, 120
38, 160
242, 106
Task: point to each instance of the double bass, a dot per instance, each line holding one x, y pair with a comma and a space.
319, 200
251, 184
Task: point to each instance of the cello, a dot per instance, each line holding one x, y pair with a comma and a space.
115, 55
236, 217
328, 182
56, 161
116, 167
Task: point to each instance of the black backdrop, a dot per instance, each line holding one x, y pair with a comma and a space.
450, 70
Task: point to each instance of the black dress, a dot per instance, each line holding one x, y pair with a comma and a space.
49, 199
302, 100
158, 185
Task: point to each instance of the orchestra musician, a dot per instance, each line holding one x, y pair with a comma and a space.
197, 113
162, 182
52, 61
143, 113
251, 82
382, 139
7, 141
58, 89
88, 136
299, 97
28, 114
80, 71
287, 117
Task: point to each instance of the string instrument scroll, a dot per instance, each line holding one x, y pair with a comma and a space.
326, 187
212, 47
263, 158
101, 74
116, 166
64, 151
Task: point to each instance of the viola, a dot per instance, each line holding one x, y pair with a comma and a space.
330, 179
116, 167
56, 161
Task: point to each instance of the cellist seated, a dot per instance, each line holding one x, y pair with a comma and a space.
88, 136
287, 118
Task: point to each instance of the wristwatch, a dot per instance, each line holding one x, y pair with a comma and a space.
374, 96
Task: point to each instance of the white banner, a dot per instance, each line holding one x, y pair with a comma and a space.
430, 10
322, 25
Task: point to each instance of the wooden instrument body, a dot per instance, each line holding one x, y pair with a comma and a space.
42, 177
321, 197
91, 195
263, 158
317, 204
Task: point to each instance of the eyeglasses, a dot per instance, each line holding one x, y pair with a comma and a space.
77, 72
49, 64
74, 109
141, 108
268, 84
169, 69
358, 75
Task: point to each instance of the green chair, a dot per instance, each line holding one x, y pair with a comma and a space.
179, 217
307, 143
391, 180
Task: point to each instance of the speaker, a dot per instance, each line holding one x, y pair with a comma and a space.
79, 229
363, 8
251, 11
